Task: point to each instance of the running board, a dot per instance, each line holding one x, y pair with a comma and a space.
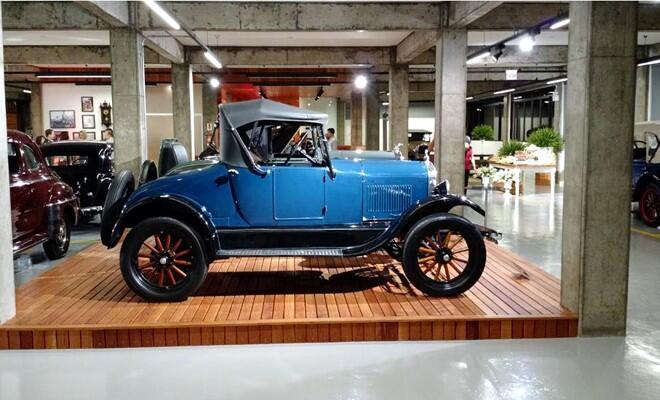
279, 252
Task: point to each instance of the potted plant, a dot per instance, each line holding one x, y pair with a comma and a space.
549, 142
486, 174
482, 132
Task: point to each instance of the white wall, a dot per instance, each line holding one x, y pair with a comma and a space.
326, 105
66, 96
421, 116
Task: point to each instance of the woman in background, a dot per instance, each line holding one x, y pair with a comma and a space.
469, 163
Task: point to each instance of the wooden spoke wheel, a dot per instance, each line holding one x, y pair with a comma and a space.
163, 259
649, 205
443, 255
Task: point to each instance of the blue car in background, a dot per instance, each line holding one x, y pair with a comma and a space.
274, 189
646, 179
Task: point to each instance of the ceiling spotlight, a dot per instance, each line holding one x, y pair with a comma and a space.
560, 80
27, 91
214, 82
212, 59
469, 98
526, 43
360, 82
319, 94
169, 20
477, 57
561, 23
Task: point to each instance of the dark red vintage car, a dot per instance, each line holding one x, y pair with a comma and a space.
43, 208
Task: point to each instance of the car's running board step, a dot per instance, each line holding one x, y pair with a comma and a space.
280, 252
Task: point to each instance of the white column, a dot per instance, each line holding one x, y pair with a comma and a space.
7, 289
182, 106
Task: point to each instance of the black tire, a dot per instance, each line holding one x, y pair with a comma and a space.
148, 172
56, 247
434, 238
649, 205
159, 277
172, 153
122, 186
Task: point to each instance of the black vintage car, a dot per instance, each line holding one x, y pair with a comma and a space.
86, 166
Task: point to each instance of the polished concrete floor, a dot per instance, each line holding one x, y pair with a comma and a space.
583, 368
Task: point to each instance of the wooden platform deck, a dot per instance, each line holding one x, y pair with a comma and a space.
84, 303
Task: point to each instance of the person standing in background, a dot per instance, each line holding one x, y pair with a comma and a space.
330, 137
108, 136
469, 163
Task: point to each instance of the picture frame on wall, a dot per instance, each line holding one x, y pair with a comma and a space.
87, 103
62, 119
89, 121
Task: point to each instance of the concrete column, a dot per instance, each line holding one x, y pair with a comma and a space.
506, 118
209, 110
596, 219
450, 90
398, 111
182, 106
36, 112
558, 117
7, 288
372, 118
356, 119
128, 99
341, 121
642, 94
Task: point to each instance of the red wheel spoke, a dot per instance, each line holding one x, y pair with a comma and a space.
428, 268
151, 264
461, 251
161, 278
425, 259
171, 276
159, 244
178, 271
177, 244
168, 239
455, 243
150, 247
461, 260
182, 263
447, 272
422, 249
182, 253
436, 273
455, 267
447, 239
145, 255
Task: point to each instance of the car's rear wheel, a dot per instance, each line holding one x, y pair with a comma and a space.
443, 255
57, 246
649, 205
162, 259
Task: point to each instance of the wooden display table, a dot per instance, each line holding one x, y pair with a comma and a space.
526, 172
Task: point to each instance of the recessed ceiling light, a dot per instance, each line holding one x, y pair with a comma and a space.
526, 43
360, 82
214, 82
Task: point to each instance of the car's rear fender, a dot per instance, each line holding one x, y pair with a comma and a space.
180, 209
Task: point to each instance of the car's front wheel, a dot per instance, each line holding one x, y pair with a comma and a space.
443, 255
162, 259
649, 205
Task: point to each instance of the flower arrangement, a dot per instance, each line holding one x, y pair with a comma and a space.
546, 137
504, 175
485, 172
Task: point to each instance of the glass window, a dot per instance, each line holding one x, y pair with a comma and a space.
30, 159
67, 161
14, 160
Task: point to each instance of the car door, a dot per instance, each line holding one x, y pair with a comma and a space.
36, 185
299, 194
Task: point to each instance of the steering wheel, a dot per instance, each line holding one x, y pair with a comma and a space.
298, 148
639, 144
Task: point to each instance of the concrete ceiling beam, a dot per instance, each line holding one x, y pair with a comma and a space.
463, 13
68, 55
114, 13
48, 16
302, 16
293, 56
512, 56
415, 44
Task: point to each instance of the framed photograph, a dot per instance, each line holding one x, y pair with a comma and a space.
62, 119
88, 121
87, 103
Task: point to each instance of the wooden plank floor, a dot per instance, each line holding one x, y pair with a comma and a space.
84, 303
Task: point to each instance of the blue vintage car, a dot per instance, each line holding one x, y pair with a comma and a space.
273, 190
646, 179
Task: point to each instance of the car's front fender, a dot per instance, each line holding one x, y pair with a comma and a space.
440, 203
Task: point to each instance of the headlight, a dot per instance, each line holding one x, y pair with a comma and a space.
432, 176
